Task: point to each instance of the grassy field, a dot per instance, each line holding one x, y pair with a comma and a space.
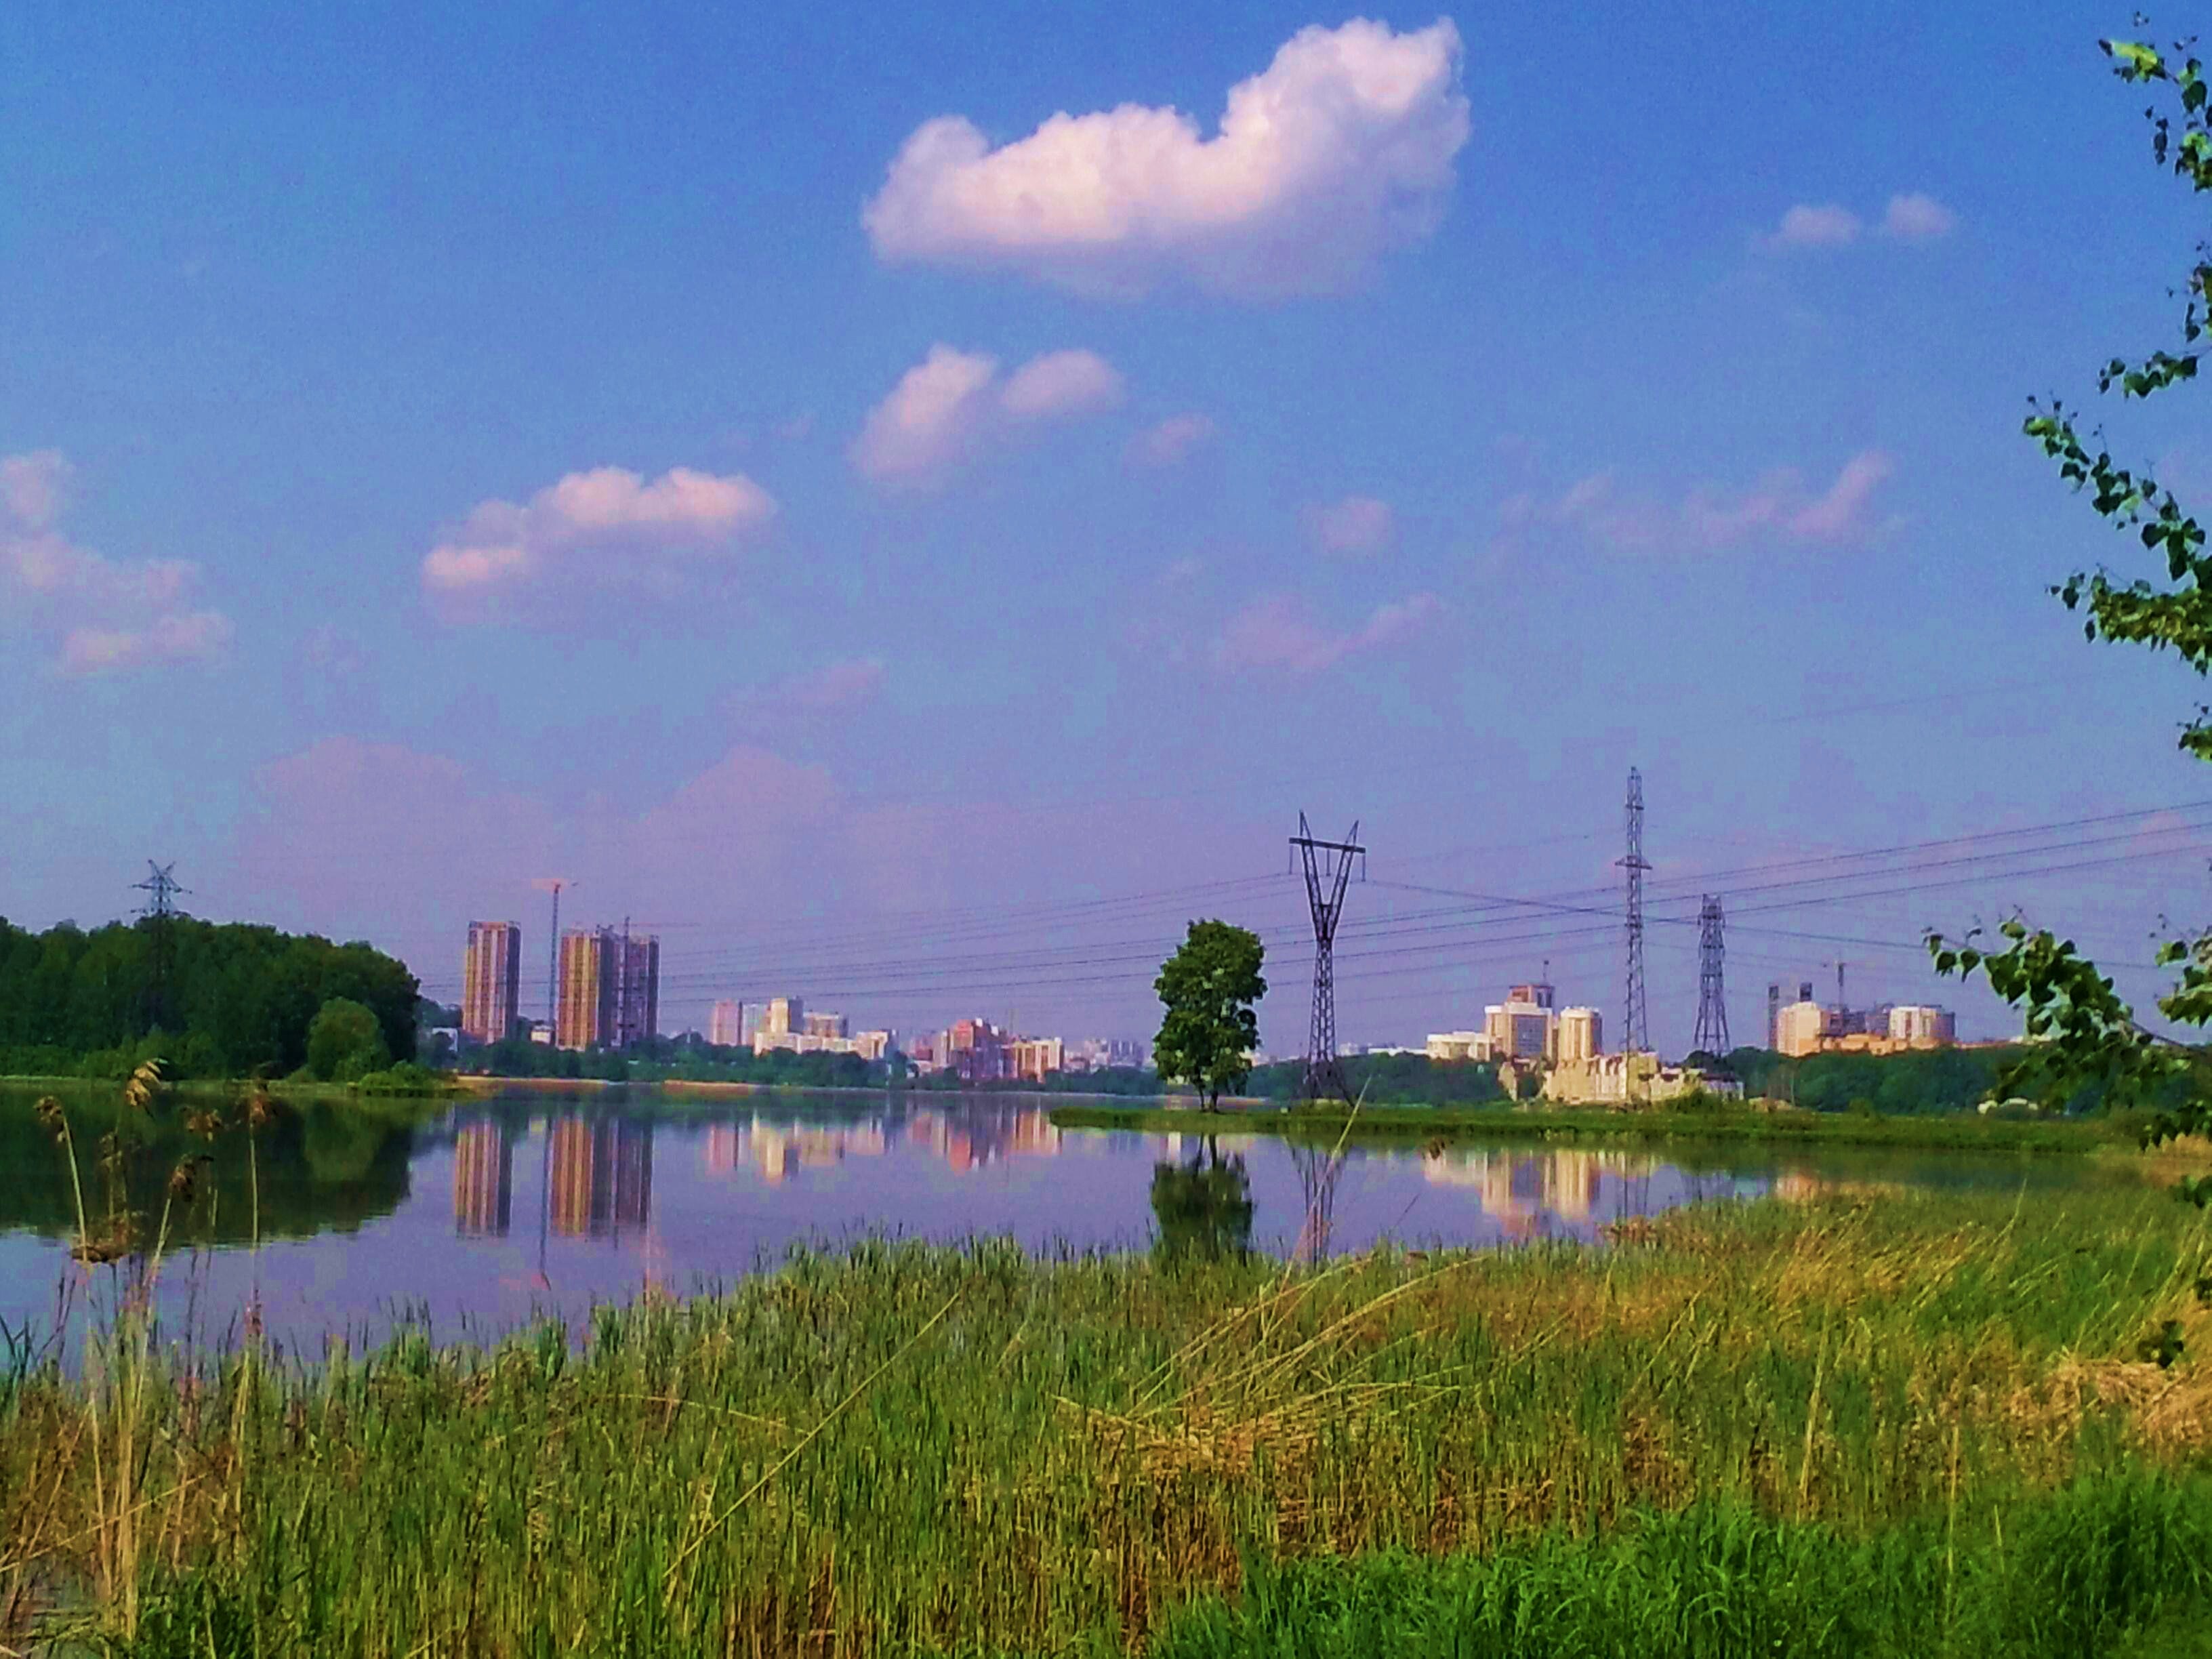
1960, 1131
1869, 1423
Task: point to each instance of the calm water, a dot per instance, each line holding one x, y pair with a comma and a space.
528, 1202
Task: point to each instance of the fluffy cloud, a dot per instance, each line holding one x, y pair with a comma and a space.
1353, 527
108, 616
1283, 633
1172, 441
952, 404
605, 526
1912, 217
1342, 147
1777, 509
1918, 218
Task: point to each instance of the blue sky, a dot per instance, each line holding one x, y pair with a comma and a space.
452, 447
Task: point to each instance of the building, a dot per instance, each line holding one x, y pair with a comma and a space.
1034, 1058
484, 1179
1458, 1045
874, 1045
1923, 1026
1521, 1027
609, 990
824, 1025
725, 1025
601, 1175
1631, 1080
1802, 1026
491, 981
1580, 1035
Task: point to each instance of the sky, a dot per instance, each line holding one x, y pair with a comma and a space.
911, 506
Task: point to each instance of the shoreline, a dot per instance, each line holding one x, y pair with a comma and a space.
1783, 1127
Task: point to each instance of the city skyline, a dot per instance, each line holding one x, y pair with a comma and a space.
1066, 569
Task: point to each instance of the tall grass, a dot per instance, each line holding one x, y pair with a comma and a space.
967, 1449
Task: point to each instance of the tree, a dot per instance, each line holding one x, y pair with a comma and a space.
345, 1041
2084, 1035
1208, 987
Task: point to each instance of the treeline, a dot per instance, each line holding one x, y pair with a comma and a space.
1390, 1080
233, 999
663, 1060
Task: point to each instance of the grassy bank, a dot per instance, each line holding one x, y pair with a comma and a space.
1962, 1132
1746, 1410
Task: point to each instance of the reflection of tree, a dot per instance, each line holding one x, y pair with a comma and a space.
324, 1168
1203, 1208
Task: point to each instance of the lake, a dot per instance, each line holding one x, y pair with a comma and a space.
528, 1203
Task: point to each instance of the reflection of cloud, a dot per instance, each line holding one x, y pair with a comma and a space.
1342, 147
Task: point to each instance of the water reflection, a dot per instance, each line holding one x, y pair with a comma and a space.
484, 1179
1202, 1209
601, 1177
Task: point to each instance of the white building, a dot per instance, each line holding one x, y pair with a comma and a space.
1581, 1035
1923, 1026
1458, 1045
1637, 1080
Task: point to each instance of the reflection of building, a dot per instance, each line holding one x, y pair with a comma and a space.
483, 1178
609, 989
973, 1138
491, 977
776, 1149
1516, 1189
602, 1175
725, 1025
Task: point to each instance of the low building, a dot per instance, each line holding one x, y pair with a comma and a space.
1923, 1026
1641, 1078
1458, 1045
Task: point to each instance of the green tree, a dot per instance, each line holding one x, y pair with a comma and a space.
2085, 1036
1208, 987
345, 1041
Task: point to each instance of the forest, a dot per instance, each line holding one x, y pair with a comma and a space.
213, 999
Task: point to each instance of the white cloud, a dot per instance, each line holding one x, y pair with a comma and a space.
952, 404
1172, 441
1061, 382
1355, 527
197, 637
1918, 218
1283, 633
1778, 509
108, 616
602, 526
1824, 226
1341, 149
33, 486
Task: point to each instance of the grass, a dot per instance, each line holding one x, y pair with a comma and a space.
1957, 1132
1736, 1418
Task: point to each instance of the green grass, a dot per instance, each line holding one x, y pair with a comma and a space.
971, 1451
1956, 1132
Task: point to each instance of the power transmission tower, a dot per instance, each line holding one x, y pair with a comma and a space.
1712, 1036
1329, 866
1636, 1029
161, 887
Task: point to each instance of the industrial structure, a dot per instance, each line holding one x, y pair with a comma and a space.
1328, 867
1712, 1034
1636, 1029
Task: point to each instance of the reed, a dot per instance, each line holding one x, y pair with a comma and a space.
904, 1447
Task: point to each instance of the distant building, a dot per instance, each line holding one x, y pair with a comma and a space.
874, 1045
1631, 1080
1923, 1026
824, 1025
1801, 1027
491, 978
785, 1016
609, 990
1458, 1045
1034, 1058
725, 1025
1580, 1035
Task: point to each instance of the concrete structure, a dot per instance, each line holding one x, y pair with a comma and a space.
609, 990
491, 979
824, 1025
785, 1015
1801, 1026
1521, 1028
1033, 1058
725, 1025
1458, 1045
1580, 1035
1631, 1080
1923, 1026
874, 1045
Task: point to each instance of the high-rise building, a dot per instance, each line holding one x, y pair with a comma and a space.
1581, 1035
1801, 1026
610, 989
785, 1016
491, 979
1520, 1027
725, 1025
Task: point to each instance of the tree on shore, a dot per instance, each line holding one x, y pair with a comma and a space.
2082, 1032
1207, 988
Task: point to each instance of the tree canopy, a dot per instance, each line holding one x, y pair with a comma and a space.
1210, 1030
241, 997
2082, 1033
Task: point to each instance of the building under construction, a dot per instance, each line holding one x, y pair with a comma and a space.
608, 992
